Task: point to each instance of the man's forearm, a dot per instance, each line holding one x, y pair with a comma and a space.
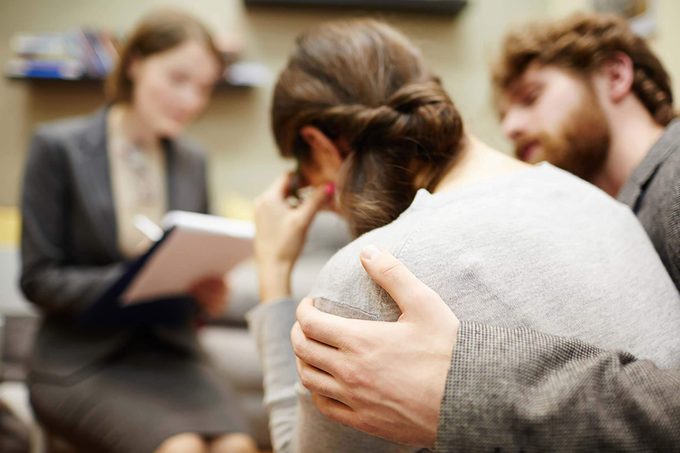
519, 389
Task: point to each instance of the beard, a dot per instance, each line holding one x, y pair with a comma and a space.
581, 145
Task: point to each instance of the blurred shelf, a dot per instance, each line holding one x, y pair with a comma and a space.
87, 55
241, 75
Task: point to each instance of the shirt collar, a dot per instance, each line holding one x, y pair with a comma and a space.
658, 153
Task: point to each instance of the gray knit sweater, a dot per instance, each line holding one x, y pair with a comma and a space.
537, 248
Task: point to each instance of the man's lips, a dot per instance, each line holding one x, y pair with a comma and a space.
527, 152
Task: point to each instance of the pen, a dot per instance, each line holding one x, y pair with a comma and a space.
147, 227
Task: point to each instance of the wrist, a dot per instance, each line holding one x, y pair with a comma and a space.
274, 281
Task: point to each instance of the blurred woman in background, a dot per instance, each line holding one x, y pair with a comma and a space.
137, 382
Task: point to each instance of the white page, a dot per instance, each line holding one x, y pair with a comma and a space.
200, 246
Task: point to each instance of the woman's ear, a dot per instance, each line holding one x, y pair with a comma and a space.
325, 152
618, 72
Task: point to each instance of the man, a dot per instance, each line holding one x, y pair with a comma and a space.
589, 96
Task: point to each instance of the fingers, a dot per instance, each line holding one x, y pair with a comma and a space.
311, 352
335, 410
412, 295
312, 204
332, 330
278, 188
304, 212
319, 382
215, 310
275, 194
210, 293
207, 282
211, 303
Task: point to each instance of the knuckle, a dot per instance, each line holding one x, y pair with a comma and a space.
362, 425
305, 378
295, 336
353, 377
300, 350
301, 310
325, 408
393, 270
358, 344
306, 325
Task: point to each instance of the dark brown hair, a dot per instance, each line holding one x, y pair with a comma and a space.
157, 32
581, 43
365, 86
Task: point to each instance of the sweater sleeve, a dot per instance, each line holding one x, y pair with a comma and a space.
270, 324
295, 424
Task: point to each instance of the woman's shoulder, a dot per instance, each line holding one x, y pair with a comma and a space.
344, 288
52, 142
72, 127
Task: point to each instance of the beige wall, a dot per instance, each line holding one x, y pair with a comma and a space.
235, 129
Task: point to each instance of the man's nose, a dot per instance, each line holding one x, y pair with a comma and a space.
513, 124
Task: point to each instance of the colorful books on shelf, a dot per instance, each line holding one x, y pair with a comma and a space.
45, 69
76, 54
86, 53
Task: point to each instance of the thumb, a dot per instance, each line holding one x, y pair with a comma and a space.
414, 298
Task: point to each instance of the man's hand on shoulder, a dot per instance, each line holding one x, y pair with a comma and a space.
383, 378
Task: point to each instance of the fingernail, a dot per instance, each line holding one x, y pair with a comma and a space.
329, 189
369, 252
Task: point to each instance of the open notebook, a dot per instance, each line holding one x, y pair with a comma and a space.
194, 246
191, 247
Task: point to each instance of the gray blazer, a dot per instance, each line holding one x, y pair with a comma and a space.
69, 242
522, 390
653, 193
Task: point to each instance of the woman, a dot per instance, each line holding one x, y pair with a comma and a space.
137, 382
505, 242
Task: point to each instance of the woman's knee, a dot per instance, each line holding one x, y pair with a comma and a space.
233, 443
183, 443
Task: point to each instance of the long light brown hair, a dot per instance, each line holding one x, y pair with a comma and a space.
365, 86
157, 32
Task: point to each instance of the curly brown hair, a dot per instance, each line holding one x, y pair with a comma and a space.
365, 85
581, 43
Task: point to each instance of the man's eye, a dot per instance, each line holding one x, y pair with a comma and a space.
530, 97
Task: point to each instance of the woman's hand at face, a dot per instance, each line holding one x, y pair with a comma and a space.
280, 235
211, 294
